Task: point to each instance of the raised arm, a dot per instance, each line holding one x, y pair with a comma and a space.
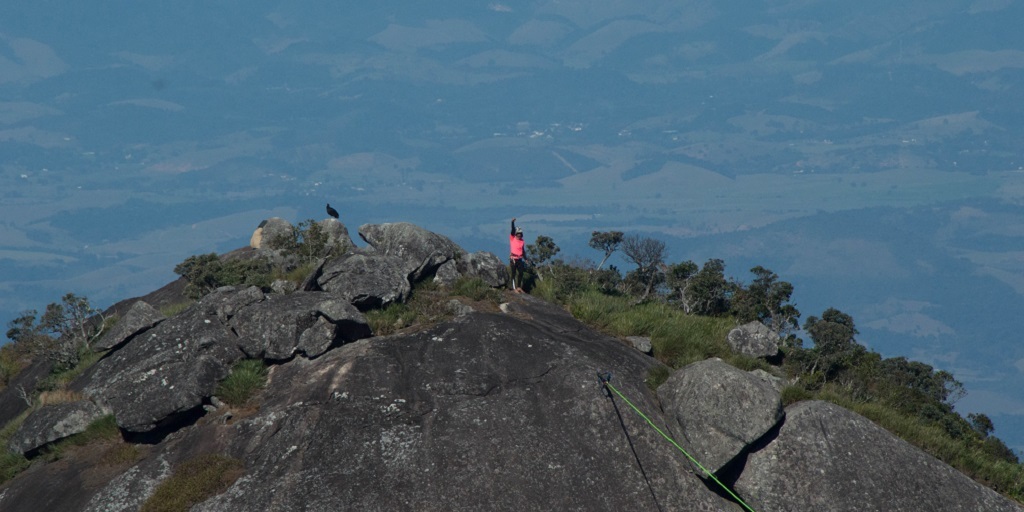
513, 233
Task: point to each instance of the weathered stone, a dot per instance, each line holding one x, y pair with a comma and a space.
271, 229
283, 286
128, 491
459, 309
366, 279
419, 250
307, 322
51, 423
828, 458
720, 409
337, 233
485, 266
172, 367
447, 274
140, 316
754, 339
641, 343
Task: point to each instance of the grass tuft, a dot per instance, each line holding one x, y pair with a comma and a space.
390, 319
247, 378
194, 481
476, 289
173, 309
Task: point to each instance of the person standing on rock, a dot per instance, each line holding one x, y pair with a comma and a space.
516, 257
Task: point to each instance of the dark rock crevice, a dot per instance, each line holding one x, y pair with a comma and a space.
165, 427
730, 473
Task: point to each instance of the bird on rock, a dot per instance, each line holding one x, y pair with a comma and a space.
331, 211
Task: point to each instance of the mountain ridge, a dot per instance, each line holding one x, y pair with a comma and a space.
492, 407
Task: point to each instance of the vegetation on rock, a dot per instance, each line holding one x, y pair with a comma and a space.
192, 482
246, 379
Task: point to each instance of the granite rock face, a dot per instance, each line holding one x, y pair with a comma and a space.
366, 279
419, 250
829, 458
720, 409
174, 368
489, 411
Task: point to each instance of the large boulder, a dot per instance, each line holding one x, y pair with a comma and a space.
485, 266
828, 458
420, 251
53, 422
337, 233
303, 322
489, 412
366, 279
140, 316
754, 339
720, 409
447, 274
172, 367
268, 230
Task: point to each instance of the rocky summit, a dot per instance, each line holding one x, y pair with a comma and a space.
513, 408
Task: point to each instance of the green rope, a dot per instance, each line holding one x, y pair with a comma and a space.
680, 448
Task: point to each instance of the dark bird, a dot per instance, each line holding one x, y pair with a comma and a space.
331, 211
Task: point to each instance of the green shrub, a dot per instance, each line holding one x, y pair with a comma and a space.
296, 275
391, 319
11, 464
307, 242
682, 339
247, 378
794, 394
194, 481
61, 378
207, 272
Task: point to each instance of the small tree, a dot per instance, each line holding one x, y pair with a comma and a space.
24, 329
677, 277
62, 332
607, 242
541, 252
648, 254
70, 318
766, 300
707, 292
834, 345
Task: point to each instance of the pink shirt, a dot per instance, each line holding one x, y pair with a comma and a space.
516, 247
